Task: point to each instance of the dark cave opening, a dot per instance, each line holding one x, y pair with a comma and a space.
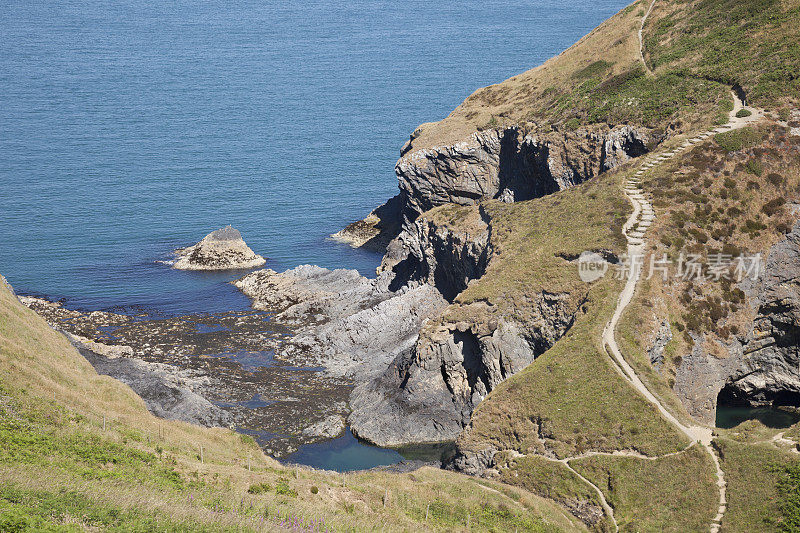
775, 409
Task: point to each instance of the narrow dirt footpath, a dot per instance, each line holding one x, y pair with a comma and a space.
634, 229
641, 40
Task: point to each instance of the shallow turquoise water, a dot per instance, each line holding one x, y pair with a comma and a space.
128, 129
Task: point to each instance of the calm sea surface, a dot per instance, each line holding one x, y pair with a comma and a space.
130, 128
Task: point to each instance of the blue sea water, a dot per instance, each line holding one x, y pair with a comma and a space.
130, 128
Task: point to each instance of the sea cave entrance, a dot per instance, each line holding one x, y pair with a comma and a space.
776, 409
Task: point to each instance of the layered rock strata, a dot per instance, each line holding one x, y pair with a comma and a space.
506, 164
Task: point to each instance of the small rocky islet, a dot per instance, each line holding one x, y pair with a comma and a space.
223, 249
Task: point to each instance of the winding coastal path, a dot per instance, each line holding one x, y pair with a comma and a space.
641, 40
634, 230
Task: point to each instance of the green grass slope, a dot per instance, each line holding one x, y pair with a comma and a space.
61, 470
697, 49
753, 43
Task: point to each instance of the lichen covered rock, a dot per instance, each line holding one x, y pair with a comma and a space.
223, 249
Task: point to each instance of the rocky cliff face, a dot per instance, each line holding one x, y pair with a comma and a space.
429, 392
761, 367
510, 165
441, 252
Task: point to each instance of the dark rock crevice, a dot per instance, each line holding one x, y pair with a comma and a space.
509, 165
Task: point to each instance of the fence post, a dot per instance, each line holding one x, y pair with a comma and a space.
202, 459
428, 508
104, 422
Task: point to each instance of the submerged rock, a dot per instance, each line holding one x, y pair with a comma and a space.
329, 427
223, 249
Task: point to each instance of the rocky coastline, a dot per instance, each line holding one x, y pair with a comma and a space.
390, 357
417, 376
209, 369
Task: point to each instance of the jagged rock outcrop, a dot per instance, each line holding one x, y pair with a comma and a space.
510, 165
504, 164
443, 253
351, 325
761, 367
223, 249
428, 393
658, 344
377, 230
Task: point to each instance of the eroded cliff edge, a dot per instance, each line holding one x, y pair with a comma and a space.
508, 164
421, 355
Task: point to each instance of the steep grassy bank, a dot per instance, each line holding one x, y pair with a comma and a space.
752, 43
81, 451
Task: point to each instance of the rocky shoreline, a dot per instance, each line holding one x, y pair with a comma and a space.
417, 376
210, 369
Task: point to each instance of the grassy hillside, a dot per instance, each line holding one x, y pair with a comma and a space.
60, 469
731, 191
695, 48
753, 43
729, 195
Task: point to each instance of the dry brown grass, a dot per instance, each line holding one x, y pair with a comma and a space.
513, 101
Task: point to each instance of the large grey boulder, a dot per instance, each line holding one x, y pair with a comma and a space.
223, 249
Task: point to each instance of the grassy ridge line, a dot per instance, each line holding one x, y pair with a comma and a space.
571, 399
600, 80
60, 469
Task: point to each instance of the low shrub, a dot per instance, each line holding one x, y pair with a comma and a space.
743, 113
754, 166
259, 488
775, 179
773, 206
737, 140
282, 487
